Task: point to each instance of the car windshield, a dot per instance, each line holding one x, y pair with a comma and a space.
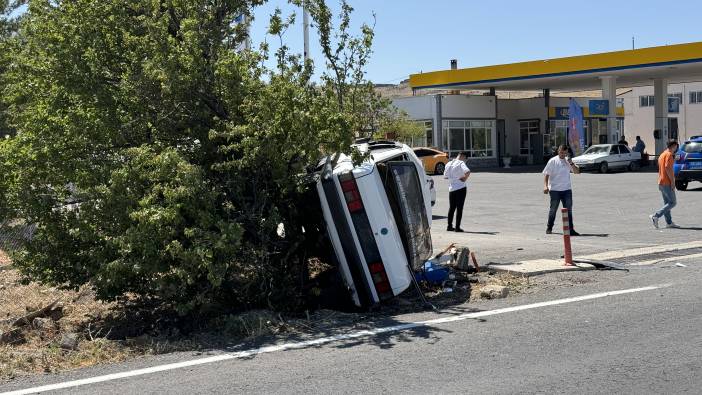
597, 149
692, 148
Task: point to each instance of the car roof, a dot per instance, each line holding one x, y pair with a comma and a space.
694, 140
427, 148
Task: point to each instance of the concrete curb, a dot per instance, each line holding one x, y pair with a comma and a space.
538, 266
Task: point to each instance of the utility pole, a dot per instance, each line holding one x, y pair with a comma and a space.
306, 30
632, 43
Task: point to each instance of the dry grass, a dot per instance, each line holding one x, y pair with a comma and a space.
516, 283
38, 350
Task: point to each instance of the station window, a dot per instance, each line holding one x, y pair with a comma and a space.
526, 130
474, 137
558, 135
696, 97
426, 139
672, 98
646, 101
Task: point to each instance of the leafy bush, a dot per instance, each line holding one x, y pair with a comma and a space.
157, 160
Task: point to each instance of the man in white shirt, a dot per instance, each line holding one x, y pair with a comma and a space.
557, 185
457, 173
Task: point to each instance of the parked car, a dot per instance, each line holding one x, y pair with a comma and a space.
378, 219
603, 157
434, 161
688, 163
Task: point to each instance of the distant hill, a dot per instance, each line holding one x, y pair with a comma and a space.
403, 90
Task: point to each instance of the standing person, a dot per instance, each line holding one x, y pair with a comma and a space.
457, 173
640, 146
557, 185
666, 184
623, 141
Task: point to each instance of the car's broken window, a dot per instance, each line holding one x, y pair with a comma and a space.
404, 190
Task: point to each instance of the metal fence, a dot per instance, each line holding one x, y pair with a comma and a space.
13, 233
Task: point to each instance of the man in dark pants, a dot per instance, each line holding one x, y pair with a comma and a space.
457, 173
557, 184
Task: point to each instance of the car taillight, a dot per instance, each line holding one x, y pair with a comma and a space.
351, 194
366, 238
380, 280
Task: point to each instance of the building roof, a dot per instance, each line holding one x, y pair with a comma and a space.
638, 67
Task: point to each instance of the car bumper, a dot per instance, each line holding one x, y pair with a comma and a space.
588, 166
689, 175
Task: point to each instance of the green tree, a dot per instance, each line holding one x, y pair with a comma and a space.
157, 160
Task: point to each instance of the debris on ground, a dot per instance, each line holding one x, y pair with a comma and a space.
494, 292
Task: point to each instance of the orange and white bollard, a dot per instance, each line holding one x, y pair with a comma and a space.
566, 238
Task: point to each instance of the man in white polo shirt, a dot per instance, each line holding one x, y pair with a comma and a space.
557, 185
457, 173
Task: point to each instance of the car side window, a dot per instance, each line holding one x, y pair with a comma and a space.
624, 149
422, 153
614, 150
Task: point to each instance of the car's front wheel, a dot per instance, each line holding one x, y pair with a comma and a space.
634, 165
439, 168
604, 167
681, 185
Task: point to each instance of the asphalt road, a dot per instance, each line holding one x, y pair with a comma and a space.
641, 342
647, 341
505, 215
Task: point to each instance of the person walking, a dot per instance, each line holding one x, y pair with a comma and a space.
666, 184
457, 172
640, 146
558, 186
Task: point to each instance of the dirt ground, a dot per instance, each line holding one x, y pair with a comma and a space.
80, 331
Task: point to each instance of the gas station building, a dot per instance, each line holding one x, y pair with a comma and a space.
662, 94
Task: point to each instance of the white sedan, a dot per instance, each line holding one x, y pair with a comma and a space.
603, 157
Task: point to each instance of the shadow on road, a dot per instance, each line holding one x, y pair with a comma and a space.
687, 228
434, 217
586, 234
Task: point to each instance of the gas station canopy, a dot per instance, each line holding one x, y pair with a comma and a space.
638, 67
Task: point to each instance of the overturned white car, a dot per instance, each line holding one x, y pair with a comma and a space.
378, 218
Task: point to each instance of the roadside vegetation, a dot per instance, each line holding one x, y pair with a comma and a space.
158, 176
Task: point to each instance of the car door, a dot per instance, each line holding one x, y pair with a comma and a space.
625, 155
613, 157
425, 156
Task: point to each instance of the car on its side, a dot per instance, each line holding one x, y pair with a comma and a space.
688, 163
377, 215
434, 161
605, 157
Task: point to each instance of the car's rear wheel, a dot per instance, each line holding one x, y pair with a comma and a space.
439, 168
634, 166
604, 167
681, 185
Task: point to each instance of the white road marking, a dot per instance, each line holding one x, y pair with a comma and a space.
323, 340
665, 260
641, 251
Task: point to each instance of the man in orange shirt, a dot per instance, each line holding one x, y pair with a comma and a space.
666, 184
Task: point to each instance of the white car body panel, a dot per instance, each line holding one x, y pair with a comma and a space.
593, 160
381, 219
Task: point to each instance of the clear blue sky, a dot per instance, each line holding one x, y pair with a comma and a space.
414, 35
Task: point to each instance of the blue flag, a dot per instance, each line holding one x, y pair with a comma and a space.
576, 135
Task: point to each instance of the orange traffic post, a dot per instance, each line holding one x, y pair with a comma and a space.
566, 238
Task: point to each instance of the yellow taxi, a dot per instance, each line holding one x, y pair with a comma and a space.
434, 161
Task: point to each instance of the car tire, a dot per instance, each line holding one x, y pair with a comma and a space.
439, 168
634, 165
681, 185
604, 167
